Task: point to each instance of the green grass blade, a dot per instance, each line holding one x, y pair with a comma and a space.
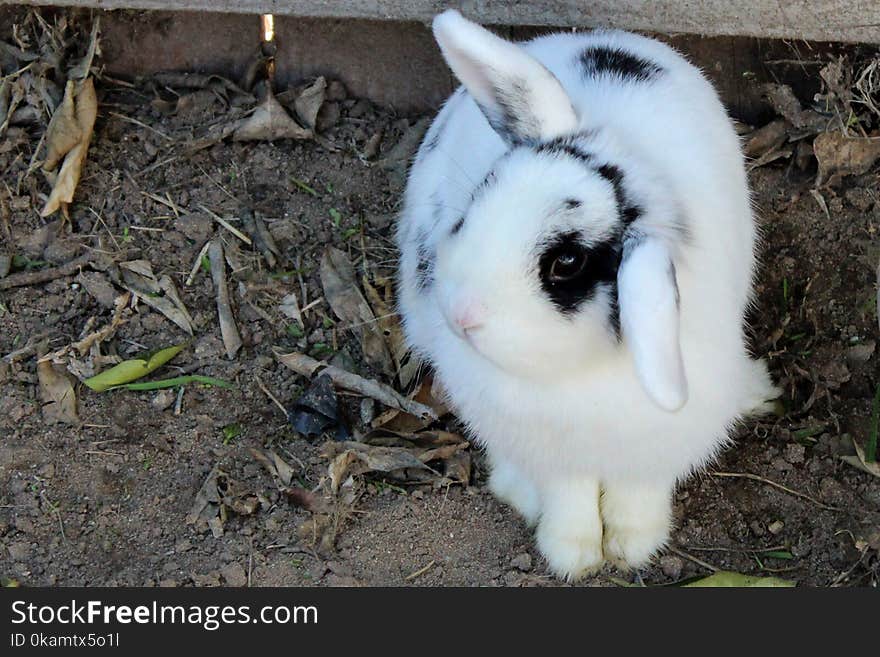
176, 381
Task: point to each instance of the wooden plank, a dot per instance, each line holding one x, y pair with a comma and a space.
855, 21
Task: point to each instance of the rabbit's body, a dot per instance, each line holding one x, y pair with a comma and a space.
554, 393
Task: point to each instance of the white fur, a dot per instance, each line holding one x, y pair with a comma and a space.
575, 440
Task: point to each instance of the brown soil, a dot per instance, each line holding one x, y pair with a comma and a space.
105, 503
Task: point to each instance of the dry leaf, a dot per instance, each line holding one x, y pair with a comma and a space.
64, 132
57, 394
274, 464
763, 140
385, 394
86, 108
859, 461
289, 307
352, 459
139, 279
270, 121
342, 293
840, 156
389, 323
228, 329
308, 102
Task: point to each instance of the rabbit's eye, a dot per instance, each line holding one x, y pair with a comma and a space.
567, 265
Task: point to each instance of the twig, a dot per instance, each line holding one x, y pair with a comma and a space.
141, 124
196, 265
419, 572
269, 394
228, 329
840, 578
46, 275
232, 229
29, 347
691, 557
307, 366
785, 489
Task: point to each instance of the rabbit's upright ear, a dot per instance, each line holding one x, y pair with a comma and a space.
523, 101
649, 318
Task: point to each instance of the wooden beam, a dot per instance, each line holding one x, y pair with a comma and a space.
854, 21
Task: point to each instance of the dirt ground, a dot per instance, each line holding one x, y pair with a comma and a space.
106, 502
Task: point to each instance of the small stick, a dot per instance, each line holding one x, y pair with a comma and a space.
196, 265
141, 124
228, 329
232, 229
46, 275
691, 557
307, 366
269, 394
29, 347
419, 572
785, 489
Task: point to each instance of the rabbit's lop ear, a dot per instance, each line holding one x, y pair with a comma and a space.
523, 101
649, 317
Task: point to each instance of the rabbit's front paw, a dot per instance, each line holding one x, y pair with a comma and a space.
637, 520
570, 554
509, 485
570, 531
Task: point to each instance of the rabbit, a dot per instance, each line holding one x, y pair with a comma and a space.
577, 251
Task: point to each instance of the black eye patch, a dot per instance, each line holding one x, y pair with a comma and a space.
570, 270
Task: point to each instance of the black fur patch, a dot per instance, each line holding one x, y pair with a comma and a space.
566, 146
513, 118
602, 60
457, 226
602, 262
628, 212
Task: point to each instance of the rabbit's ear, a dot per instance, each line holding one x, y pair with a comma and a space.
649, 317
522, 100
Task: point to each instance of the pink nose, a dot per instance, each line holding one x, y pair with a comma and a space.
464, 312
468, 316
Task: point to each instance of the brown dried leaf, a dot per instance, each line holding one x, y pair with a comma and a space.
64, 132
839, 156
786, 104
388, 322
763, 140
269, 122
400, 421
308, 102
342, 293
86, 103
274, 464
57, 394
352, 459
139, 279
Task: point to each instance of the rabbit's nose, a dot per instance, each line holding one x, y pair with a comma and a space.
469, 316
464, 312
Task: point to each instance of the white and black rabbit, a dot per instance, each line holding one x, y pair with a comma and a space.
577, 253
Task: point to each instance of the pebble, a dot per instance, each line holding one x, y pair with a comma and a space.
19, 551
234, 574
163, 399
522, 562
671, 566
781, 464
794, 453
775, 527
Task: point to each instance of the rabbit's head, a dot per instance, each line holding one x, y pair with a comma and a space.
564, 255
